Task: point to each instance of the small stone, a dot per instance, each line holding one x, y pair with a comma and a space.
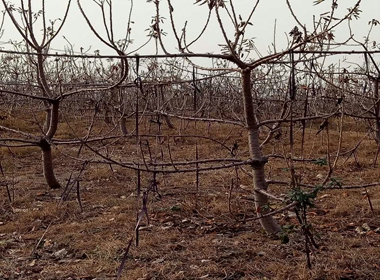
60, 254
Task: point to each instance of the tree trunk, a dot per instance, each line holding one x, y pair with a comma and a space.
47, 160
47, 119
47, 164
53, 123
377, 118
168, 121
258, 172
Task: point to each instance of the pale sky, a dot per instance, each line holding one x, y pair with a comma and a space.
78, 33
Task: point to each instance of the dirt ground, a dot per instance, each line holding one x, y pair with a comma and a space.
203, 232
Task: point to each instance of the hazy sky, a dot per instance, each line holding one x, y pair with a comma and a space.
78, 33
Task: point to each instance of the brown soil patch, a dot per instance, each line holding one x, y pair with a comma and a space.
192, 234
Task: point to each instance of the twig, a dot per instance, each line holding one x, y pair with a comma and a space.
40, 240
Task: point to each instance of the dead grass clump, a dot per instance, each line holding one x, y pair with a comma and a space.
7, 153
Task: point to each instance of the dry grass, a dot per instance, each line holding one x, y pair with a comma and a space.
192, 234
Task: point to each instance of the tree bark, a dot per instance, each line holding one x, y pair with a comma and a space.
47, 164
168, 121
259, 183
47, 160
47, 119
53, 123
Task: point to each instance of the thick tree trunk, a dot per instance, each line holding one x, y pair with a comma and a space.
258, 172
47, 160
47, 164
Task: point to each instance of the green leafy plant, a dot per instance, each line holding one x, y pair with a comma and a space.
304, 201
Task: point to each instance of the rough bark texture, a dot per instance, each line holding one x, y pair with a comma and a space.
258, 172
47, 160
47, 164
53, 123
47, 119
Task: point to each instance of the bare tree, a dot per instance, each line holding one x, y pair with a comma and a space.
233, 50
26, 28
